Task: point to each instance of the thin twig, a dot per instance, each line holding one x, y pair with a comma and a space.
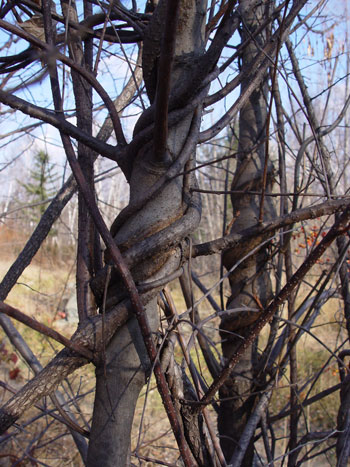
339, 228
43, 329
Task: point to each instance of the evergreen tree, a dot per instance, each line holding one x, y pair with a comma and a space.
41, 184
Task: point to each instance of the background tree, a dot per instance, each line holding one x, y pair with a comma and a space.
184, 59
40, 187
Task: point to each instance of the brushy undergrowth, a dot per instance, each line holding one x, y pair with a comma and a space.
42, 292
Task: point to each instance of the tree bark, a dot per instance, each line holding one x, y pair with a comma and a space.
125, 368
250, 282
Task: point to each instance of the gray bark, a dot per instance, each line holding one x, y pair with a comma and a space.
126, 367
250, 283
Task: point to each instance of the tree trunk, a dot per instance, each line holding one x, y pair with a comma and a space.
250, 282
123, 372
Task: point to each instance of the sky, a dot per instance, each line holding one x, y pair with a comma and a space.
113, 72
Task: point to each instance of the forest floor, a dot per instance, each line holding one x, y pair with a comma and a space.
42, 292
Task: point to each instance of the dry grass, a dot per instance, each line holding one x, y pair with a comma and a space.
40, 292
